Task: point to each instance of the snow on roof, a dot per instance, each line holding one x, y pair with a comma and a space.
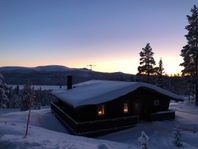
100, 91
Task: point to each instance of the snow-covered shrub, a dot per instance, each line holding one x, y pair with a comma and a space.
143, 140
102, 146
177, 137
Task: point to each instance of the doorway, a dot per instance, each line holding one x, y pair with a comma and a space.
137, 109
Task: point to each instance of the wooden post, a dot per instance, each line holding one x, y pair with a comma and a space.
30, 104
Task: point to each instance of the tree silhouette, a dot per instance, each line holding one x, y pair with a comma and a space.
147, 61
190, 50
160, 68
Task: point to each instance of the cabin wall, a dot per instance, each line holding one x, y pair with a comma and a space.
66, 107
140, 102
146, 99
113, 109
149, 97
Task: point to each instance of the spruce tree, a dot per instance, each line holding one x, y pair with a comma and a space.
4, 101
26, 93
160, 68
190, 50
160, 73
147, 61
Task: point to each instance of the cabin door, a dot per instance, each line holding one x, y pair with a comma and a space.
137, 109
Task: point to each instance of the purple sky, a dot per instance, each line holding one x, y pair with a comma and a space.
107, 33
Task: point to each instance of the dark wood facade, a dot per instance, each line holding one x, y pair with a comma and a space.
141, 104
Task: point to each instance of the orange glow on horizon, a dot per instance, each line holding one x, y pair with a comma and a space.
126, 62
128, 65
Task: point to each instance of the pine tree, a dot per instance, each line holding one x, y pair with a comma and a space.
4, 101
160, 73
190, 51
160, 68
147, 61
15, 97
188, 61
25, 97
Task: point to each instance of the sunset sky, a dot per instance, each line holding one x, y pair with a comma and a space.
107, 33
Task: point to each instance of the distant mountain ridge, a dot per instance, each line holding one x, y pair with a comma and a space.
40, 68
56, 75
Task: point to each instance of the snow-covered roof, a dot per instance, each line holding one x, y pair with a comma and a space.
100, 91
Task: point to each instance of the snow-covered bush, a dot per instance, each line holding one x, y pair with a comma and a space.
177, 137
102, 146
143, 140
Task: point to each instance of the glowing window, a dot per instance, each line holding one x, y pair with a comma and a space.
101, 110
125, 108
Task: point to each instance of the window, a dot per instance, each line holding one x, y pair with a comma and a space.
125, 108
101, 110
156, 102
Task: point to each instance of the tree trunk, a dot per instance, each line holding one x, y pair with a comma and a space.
196, 81
196, 92
196, 63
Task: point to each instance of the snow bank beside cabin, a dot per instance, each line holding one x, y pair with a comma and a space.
11, 137
12, 128
13, 125
41, 118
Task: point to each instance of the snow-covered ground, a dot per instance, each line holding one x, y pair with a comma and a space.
47, 132
161, 133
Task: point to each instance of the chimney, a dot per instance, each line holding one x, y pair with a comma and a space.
69, 82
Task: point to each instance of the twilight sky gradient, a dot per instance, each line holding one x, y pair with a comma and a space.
107, 33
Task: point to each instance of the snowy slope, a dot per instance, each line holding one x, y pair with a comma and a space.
41, 118
12, 128
42, 138
47, 133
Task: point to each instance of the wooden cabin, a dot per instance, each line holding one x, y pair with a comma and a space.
100, 106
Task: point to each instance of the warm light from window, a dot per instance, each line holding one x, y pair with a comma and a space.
126, 108
101, 110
